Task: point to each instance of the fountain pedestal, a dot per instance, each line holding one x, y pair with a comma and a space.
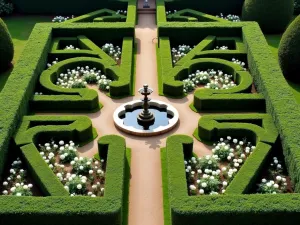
146, 118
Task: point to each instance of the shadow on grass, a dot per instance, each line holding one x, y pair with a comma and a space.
20, 26
4, 77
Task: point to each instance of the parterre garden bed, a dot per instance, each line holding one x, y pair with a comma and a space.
252, 174
58, 64
236, 183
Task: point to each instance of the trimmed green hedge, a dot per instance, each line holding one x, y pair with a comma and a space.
190, 15
238, 209
258, 128
255, 127
21, 85
102, 15
38, 129
201, 54
85, 99
74, 210
172, 80
280, 101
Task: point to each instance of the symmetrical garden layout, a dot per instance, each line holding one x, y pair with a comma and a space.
233, 158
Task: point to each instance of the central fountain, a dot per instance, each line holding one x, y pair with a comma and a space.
146, 117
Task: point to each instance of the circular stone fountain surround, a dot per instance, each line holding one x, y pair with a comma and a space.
120, 111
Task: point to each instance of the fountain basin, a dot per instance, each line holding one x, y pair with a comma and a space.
166, 118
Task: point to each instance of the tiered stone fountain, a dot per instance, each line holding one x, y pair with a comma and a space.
146, 117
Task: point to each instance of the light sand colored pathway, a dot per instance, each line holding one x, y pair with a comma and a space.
145, 200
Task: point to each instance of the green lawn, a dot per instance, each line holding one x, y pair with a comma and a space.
20, 28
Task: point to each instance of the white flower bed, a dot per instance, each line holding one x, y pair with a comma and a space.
242, 64
210, 78
79, 175
275, 182
52, 63
113, 51
71, 47
221, 48
171, 12
122, 12
60, 19
180, 52
81, 76
16, 183
212, 174
230, 17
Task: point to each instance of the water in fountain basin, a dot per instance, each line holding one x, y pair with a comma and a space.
161, 118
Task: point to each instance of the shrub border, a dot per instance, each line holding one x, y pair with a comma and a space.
236, 208
67, 210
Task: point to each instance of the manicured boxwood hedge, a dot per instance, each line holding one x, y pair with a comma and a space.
54, 97
190, 15
205, 39
236, 208
102, 15
62, 210
280, 101
36, 130
257, 128
21, 85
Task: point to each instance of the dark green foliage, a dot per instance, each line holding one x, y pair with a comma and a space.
108, 15
288, 52
213, 7
66, 7
6, 8
6, 47
273, 16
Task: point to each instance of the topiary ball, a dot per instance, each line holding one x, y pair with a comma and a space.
289, 52
6, 47
273, 16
